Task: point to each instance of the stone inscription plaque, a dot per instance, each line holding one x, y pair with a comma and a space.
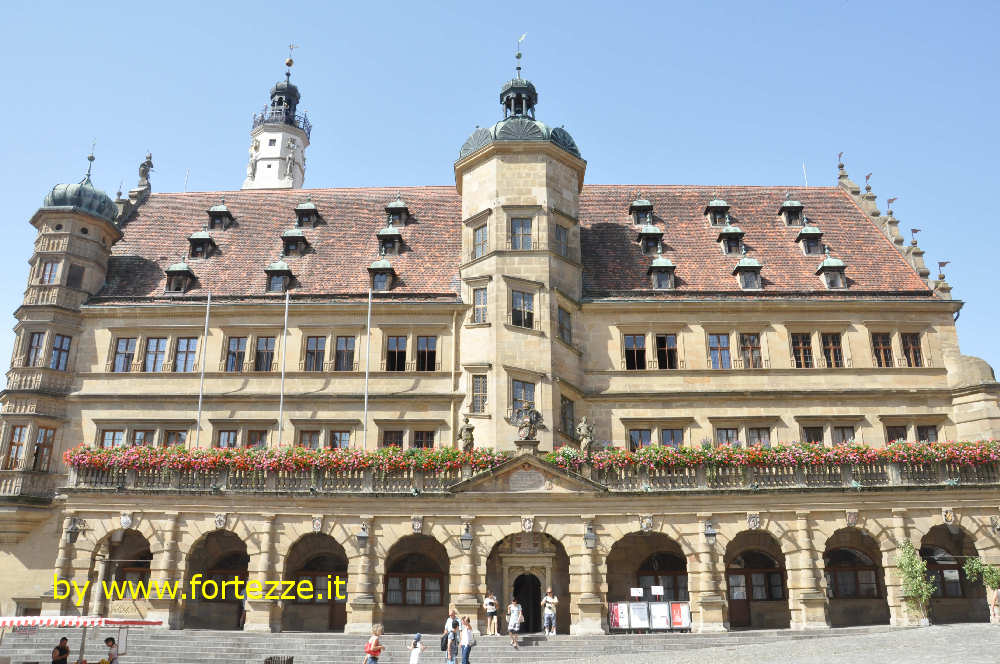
526, 480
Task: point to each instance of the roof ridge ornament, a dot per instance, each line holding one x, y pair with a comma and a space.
90, 161
941, 267
517, 55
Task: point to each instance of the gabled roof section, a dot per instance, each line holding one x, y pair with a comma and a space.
527, 473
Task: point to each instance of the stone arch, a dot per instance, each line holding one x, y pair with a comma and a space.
639, 557
945, 548
125, 555
534, 554
219, 556
756, 581
855, 589
415, 595
316, 556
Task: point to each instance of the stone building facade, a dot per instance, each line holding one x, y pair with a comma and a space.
363, 318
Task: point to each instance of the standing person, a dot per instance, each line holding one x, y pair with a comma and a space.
468, 640
490, 606
112, 650
515, 616
995, 602
452, 617
374, 647
454, 638
416, 647
60, 654
549, 604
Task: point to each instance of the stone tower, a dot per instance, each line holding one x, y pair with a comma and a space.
520, 182
278, 141
76, 228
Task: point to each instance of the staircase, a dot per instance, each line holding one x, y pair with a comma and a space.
206, 647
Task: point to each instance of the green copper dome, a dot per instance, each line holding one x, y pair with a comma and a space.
293, 232
278, 266
388, 231
640, 204
307, 206
82, 196
730, 231
747, 263
809, 232
381, 264
830, 263
661, 263
179, 267
789, 204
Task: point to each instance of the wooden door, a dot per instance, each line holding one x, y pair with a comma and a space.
739, 603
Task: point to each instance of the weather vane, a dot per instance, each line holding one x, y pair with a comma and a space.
517, 56
289, 62
90, 157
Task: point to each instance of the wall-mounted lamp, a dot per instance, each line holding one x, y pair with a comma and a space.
363, 535
590, 537
74, 529
465, 541
710, 533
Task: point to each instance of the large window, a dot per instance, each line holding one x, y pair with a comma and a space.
340, 439
256, 438
36, 343
560, 238
309, 439
142, 437
413, 589
635, 352
479, 393
15, 447
520, 233
479, 306
395, 353
802, 351
263, 359
882, 349
49, 272
423, 439
565, 325
186, 355
315, 353
850, 574
727, 436
759, 436
672, 437
750, 280
228, 438
112, 438
480, 241
758, 573
156, 351
345, 354
522, 307
235, 354
927, 433
566, 416
666, 570
60, 352
638, 438
812, 435
843, 434
911, 350
426, 353
718, 351
380, 281
894, 433
124, 354
750, 351
392, 438
832, 351
943, 568
44, 441
522, 395
175, 437
666, 351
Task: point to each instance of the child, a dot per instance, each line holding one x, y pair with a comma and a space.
374, 647
416, 647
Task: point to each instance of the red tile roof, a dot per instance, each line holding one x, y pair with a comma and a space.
344, 245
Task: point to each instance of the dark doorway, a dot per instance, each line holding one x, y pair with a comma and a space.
528, 591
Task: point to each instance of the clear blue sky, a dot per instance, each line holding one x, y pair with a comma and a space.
685, 93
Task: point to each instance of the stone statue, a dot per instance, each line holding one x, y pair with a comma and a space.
144, 169
528, 420
585, 435
465, 436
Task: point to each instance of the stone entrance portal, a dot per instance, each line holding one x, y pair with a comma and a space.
528, 591
523, 566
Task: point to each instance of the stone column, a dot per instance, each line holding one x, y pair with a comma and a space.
361, 603
806, 592
259, 611
163, 570
706, 588
899, 614
586, 599
63, 571
463, 588
97, 599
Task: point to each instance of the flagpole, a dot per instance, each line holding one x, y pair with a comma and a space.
284, 346
201, 382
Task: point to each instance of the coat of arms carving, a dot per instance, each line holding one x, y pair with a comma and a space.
126, 520
317, 524
417, 523
852, 518
995, 524
527, 523
753, 520
220, 520
646, 523
948, 515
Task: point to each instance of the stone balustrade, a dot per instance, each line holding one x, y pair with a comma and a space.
618, 480
15, 483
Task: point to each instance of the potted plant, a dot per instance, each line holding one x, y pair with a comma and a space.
917, 588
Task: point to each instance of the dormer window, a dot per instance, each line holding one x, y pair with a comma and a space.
791, 210
747, 271
661, 271
649, 238
641, 211
279, 276
390, 240
397, 213
219, 216
294, 242
306, 214
717, 211
810, 238
179, 278
831, 270
731, 239
202, 244
382, 275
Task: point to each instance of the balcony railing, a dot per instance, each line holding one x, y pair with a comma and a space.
271, 116
627, 479
27, 483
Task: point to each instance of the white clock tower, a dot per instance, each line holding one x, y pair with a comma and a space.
278, 141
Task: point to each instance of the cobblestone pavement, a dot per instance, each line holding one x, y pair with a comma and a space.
964, 644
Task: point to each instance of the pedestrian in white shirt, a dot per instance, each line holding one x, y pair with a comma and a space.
549, 604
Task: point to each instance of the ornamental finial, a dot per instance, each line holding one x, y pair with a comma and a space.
941, 266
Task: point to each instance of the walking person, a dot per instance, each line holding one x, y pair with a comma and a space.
374, 647
490, 606
454, 643
112, 650
515, 616
468, 639
60, 654
549, 604
416, 647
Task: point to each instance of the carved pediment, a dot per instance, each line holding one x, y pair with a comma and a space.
527, 474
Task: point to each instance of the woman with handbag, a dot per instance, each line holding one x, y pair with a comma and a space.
374, 647
515, 616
